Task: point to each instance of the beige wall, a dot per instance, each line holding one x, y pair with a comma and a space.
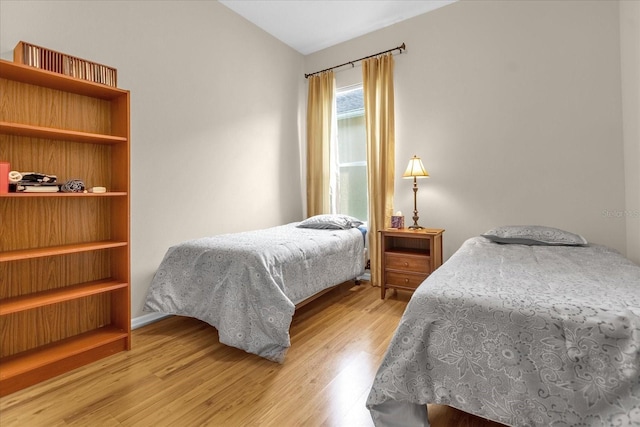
630, 60
515, 109
214, 102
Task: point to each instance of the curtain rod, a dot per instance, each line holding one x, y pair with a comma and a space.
400, 48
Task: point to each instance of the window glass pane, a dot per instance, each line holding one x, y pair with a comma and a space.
353, 191
349, 166
352, 143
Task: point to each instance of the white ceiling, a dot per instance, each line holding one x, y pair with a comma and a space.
312, 25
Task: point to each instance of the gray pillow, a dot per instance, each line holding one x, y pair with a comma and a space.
534, 235
331, 221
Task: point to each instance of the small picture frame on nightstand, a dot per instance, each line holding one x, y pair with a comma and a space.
397, 221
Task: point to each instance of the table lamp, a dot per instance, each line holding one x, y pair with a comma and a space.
415, 170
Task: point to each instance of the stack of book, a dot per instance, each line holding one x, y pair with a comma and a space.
32, 182
34, 187
50, 60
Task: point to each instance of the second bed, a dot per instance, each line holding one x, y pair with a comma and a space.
247, 285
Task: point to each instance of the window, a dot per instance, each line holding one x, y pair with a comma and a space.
349, 155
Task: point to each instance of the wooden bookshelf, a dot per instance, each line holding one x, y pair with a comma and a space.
64, 257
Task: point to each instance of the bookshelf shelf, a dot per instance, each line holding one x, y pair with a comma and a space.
26, 368
58, 250
54, 296
37, 195
20, 129
34, 76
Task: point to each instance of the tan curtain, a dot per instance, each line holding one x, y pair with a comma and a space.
377, 79
319, 118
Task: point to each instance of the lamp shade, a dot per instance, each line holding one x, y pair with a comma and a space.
415, 169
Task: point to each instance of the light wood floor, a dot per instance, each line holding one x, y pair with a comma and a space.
178, 374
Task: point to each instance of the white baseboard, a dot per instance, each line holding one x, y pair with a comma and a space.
138, 322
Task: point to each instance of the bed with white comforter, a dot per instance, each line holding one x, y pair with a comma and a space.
519, 334
247, 284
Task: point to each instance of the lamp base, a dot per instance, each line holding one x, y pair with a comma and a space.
416, 227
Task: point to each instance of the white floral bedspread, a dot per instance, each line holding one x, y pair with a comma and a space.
247, 284
523, 335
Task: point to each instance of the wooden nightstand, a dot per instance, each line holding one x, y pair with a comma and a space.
409, 256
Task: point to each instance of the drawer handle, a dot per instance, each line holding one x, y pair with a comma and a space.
406, 280
406, 264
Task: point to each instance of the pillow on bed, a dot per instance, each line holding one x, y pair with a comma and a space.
534, 235
329, 221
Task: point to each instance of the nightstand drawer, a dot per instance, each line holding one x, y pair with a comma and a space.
404, 280
414, 263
